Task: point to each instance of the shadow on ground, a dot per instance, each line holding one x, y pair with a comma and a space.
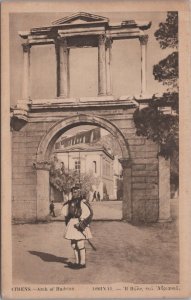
49, 257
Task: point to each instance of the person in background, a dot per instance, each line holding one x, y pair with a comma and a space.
98, 197
51, 207
78, 215
94, 196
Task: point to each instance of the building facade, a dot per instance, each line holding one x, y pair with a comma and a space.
92, 160
38, 123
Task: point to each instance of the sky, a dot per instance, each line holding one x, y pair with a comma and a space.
126, 59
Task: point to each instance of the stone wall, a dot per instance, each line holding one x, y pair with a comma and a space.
142, 177
24, 148
144, 173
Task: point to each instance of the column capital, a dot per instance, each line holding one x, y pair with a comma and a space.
42, 165
26, 47
62, 41
143, 39
102, 39
125, 162
108, 42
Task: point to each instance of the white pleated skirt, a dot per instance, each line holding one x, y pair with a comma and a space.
72, 233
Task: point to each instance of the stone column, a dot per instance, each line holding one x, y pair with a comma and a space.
143, 41
26, 72
101, 65
57, 52
108, 66
164, 189
127, 201
68, 71
43, 190
63, 57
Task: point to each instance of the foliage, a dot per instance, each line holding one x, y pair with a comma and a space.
151, 122
169, 99
167, 34
161, 128
63, 180
166, 71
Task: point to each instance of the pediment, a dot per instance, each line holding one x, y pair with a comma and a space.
80, 18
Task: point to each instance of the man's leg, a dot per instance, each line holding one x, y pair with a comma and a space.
76, 251
82, 252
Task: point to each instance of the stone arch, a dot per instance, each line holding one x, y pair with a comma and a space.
46, 145
60, 127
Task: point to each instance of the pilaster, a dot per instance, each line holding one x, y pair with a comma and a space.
108, 46
64, 69
143, 42
127, 201
26, 72
101, 65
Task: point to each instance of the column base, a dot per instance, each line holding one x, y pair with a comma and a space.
165, 220
63, 96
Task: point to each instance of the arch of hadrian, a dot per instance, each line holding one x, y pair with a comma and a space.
36, 124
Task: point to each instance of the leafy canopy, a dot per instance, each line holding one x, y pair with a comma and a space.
151, 122
167, 34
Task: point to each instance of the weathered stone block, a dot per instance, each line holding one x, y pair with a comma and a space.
135, 141
32, 144
138, 211
24, 210
25, 180
35, 126
144, 194
138, 167
19, 163
152, 147
139, 186
21, 169
152, 180
151, 167
18, 144
143, 154
35, 134
18, 133
26, 193
145, 160
17, 138
130, 132
151, 210
17, 156
25, 176
149, 143
144, 173
125, 124
139, 179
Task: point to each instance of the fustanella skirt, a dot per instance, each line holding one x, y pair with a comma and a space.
72, 233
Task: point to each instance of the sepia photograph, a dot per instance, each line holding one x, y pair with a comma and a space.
94, 151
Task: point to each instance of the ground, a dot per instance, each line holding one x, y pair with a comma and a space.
125, 253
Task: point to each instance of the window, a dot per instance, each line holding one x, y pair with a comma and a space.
95, 166
77, 165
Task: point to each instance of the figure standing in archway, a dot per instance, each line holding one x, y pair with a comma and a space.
78, 216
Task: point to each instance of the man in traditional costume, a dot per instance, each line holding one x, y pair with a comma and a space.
78, 215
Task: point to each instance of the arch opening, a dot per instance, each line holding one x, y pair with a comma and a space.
101, 159
60, 127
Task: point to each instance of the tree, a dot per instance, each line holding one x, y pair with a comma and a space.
63, 180
150, 121
166, 71
167, 34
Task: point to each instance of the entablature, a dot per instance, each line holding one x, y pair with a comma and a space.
84, 25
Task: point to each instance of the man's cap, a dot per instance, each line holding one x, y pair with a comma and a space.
75, 188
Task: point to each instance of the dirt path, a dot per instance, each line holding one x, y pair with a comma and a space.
136, 254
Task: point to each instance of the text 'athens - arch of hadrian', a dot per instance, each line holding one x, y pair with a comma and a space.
37, 124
